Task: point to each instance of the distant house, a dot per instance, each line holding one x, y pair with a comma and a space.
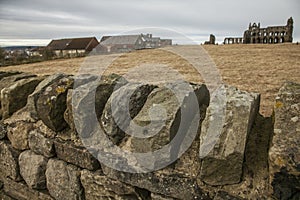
155, 42
121, 43
35, 52
72, 47
128, 43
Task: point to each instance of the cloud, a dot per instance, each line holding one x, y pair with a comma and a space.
35, 19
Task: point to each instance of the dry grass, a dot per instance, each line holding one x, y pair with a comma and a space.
254, 68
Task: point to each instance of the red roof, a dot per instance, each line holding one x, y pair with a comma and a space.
74, 43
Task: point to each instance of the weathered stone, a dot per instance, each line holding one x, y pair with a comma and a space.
63, 180
76, 155
88, 102
160, 197
170, 181
182, 105
18, 127
79, 80
20, 191
284, 154
41, 144
4, 196
3, 130
122, 106
32, 98
51, 103
224, 133
10, 73
98, 186
44, 130
15, 96
20, 115
17, 134
221, 195
9, 162
68, 115
255, 179
32, 169
11, 80
172, 185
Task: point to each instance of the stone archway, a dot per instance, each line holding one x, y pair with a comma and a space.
265, 40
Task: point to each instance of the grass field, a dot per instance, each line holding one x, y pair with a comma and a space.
254, 68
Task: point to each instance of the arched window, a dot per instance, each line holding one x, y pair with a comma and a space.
276, 40
265, 41
282, 40
258, 40
271, 40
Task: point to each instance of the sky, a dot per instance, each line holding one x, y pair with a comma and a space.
36, 22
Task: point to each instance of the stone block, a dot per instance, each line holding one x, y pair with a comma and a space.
170, 119
79, 80
3, 130
76, 155
88, 101
160, 197
284, 153
41, 144
17, 133
175, 185
221, 195
10, 73
12, 79
15, 96
9, 162
224, 133
63, 180
98, 186
32, 169
51, 103
32, 98
20, 191
4, 196
122, 106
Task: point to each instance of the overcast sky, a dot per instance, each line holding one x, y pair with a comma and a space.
36, 22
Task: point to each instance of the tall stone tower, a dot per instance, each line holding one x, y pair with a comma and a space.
290, 27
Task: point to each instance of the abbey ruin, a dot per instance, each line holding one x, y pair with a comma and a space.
269, 35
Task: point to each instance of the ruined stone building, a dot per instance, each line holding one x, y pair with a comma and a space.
212, 40
269, 35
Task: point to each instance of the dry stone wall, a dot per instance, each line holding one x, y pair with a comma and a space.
42, 155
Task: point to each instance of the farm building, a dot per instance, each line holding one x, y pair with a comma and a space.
72, 47
128, 43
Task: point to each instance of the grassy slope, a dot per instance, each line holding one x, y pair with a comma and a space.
255, 68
